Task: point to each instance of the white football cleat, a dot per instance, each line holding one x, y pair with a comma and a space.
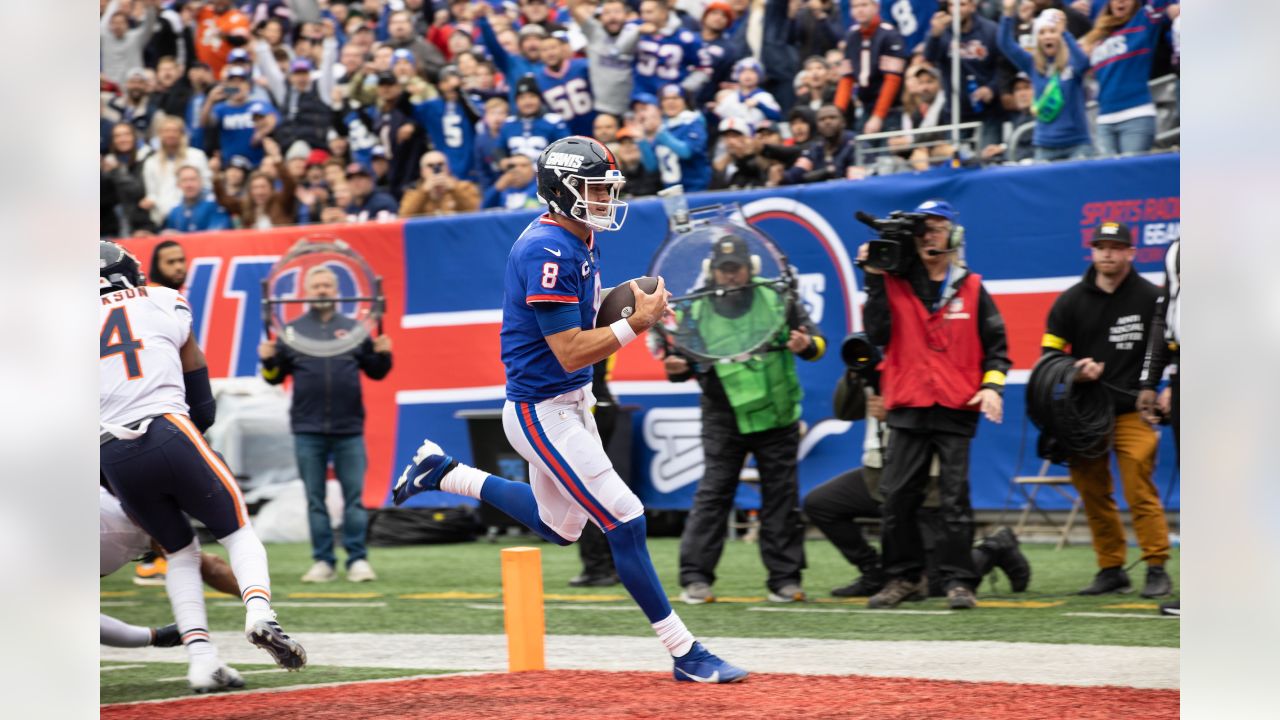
207, 675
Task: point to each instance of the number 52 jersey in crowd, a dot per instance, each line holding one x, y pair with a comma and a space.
139, 366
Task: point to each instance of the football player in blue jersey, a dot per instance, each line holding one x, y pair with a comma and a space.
549, 343
450, 121
565, 84
667, 52
531, 130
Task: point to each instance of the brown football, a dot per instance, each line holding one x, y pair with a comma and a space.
620, 302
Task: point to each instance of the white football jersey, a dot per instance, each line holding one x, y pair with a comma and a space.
120, 541
139, 366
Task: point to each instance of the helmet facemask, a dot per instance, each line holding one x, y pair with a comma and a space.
595, 214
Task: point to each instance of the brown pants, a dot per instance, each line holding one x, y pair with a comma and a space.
1135, 449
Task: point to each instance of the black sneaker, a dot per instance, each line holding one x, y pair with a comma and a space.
1006, 555
167, 636
1158, 583
897, 590
585, 580
960, 597
1171, 608
866, 585
1108, 580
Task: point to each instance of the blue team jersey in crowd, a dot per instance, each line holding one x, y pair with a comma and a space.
360, 135
681, 149
667, 56
235, 130
1122, 62
529, 136
568, 93
451, 132
547, 264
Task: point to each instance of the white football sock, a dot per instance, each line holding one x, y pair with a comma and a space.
249, 563
464, 480
117, 633
674, 635
186, 596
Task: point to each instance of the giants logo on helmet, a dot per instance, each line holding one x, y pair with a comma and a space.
563, 161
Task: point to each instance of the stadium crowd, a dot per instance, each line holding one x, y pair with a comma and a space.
258, 113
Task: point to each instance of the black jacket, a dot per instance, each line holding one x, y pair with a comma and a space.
1111, 328
995, 349
326, 390
304, 117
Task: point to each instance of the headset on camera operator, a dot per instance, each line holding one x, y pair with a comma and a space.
945, 360
748, 406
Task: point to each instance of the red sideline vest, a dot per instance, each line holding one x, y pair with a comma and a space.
932, 358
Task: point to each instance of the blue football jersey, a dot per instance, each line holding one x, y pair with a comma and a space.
235, 130
361, 135
452, 132
547, 264
530, 136
667, 56
568, 93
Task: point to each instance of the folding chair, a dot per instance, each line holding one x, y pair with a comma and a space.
1059, 483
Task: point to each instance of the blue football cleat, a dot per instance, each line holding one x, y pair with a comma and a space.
699, 665
430, 466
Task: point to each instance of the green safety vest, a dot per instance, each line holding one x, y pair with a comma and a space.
764, 391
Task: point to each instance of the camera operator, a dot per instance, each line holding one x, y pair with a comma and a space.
836, 505
945, 360
1104, 321
748, 406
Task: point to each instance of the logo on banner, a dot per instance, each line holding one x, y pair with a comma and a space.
675, 436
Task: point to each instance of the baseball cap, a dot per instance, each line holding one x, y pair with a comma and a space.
317, 157
532, 30
450, 71
561, 35
730, 249
626, 133
928, 69
355, 169
1112, 232
238, 73
300, 65
938, 208
259, 108
403, 54
671, 90
386, 77
240, 161
722, 6
238, 55
527, 84
378, 151
643, 97
738, 125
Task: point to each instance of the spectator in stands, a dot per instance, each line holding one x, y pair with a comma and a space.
200, 78
240, 125
924, 106
516, 188
366, 202
605, 128
305, 114
720, 49
816, 88
1056, 69
533, 129
438, 192
172, 92
264, 206
135, 106
123, 164
642, 181
160, 170
405, 68
749, 102
875, 55
563, 80
401, 35
803, 124
489, 140
121, 46
814, 27
781, 61
1121, 48
240, 59
405, 142
327, 419
978, 66
741, 166
197, 212
680, 142
513, 65
830, 156
220, 27
380, 169
450, 122
610, 51
667, 52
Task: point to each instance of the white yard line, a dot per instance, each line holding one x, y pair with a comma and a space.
1131, 616
109, 668
982, 661
848, 610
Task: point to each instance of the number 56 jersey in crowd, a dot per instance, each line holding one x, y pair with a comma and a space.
139, 365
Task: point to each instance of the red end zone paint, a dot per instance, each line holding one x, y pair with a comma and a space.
568, 694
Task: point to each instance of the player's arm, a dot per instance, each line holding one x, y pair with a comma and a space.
576, 348
195, 377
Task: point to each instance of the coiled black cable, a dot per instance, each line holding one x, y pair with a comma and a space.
1075, 420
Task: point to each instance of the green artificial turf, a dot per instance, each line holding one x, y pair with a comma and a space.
151, 681
473, 569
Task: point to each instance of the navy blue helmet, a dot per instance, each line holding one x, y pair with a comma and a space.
567, 172
118, 269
